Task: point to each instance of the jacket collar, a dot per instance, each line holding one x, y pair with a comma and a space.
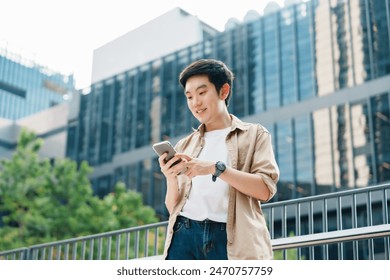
236, 124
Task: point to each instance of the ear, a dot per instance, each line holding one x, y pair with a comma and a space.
224, 91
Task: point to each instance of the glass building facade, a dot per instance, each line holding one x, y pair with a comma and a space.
316, 74
27, 88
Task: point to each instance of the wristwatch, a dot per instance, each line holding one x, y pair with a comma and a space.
220, 167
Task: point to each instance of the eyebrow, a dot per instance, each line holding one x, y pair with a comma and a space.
199, 87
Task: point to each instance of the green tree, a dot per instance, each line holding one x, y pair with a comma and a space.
127, 206
42, 201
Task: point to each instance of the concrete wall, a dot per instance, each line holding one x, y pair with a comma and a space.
166, 34
51, 125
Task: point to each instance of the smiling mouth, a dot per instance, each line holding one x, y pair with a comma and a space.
200, 111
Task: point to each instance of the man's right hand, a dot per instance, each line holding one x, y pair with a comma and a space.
171, 169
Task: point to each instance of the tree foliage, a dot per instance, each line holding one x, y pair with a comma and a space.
42, 201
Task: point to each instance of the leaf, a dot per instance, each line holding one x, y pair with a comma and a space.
42, 201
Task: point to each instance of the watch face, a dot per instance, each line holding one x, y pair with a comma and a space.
221, 166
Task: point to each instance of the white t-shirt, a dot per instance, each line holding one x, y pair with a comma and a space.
208, 199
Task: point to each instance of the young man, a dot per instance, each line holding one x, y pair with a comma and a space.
227, 167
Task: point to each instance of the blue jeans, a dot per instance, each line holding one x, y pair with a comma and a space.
198, 240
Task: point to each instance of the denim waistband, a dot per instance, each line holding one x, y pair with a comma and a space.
207, 221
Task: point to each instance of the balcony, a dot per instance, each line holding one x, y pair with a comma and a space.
347, 225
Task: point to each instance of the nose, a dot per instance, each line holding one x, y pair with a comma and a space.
197, 101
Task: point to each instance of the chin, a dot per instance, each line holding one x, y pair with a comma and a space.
201, 120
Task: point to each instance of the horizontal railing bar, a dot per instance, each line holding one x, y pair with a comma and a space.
325, 196
331, 237
99, 235
14, 251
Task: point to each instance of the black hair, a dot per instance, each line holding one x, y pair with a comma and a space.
217, 72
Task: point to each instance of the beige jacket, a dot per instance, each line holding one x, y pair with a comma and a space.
250, 150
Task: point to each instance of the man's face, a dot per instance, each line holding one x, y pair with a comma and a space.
203, 100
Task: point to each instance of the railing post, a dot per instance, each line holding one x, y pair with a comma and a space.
27, 255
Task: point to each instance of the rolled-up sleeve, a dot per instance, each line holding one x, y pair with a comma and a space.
263, 161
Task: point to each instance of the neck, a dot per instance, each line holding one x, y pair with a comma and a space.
222, 121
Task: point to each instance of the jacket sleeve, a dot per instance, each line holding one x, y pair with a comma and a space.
263, 161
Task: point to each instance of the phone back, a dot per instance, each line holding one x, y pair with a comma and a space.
163, 147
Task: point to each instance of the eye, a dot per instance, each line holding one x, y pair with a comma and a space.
201, 93
189, 97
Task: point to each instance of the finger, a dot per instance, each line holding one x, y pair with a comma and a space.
161, 159
183, 156
173, 161
187, 172
164, 171
182, 171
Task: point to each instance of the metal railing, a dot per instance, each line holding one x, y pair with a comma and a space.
329, 213
350, 224
130, 243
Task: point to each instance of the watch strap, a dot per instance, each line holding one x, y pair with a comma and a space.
218, 171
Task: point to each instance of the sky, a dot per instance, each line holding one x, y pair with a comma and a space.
62, 34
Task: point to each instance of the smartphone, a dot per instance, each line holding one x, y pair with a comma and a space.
165, 147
